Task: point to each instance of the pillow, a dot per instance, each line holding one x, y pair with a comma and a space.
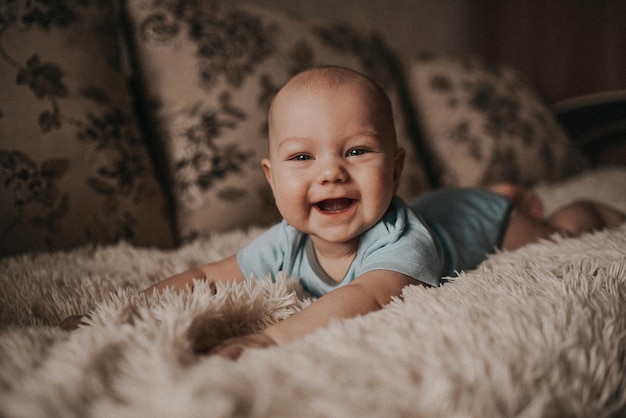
485, 124
210, 71
73, 167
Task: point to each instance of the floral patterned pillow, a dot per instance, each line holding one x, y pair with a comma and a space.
73, 167
486, 124
210, 71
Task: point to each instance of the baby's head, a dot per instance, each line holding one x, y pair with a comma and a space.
326, 79
333, 163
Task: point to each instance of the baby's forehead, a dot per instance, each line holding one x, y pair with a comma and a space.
294, 89
363, 93
308, 86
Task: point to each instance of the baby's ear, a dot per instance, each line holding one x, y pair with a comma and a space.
397, 168
267, 169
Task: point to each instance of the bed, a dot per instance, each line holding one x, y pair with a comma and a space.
540, 331
108, 186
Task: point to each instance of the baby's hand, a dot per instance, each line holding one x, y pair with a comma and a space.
233, 348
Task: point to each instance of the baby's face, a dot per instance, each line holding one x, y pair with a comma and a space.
333, 164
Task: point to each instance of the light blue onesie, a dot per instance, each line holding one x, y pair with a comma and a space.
398, 242
454, 231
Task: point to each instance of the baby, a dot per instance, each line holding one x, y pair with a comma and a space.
334, 167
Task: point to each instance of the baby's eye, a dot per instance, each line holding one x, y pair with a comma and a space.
356, 152
300, 157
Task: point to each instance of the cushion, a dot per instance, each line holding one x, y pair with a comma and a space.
73, 167
482, 124
210, 71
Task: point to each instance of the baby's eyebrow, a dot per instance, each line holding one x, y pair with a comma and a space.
368, 132
291, 140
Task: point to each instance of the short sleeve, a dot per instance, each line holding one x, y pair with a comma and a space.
264, 254
402, 243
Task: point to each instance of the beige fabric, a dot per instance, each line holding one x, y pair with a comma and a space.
213, 69
539, 332
73, 166
486, 124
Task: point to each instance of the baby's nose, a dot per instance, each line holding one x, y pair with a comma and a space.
333, 173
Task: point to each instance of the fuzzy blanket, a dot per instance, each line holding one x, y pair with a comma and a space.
539, 332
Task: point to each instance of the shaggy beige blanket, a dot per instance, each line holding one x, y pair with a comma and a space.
539, 332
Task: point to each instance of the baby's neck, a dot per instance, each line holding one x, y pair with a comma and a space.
335, 258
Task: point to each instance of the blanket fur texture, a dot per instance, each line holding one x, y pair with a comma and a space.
539, 332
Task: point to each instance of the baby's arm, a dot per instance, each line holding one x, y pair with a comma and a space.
369, 292
223, 271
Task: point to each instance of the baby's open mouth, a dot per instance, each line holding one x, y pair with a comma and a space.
334, 205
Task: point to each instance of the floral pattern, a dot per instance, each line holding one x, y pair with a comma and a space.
206, 161
75, 168
231, 61
228, 45
485, 124
36, 196
38, 188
